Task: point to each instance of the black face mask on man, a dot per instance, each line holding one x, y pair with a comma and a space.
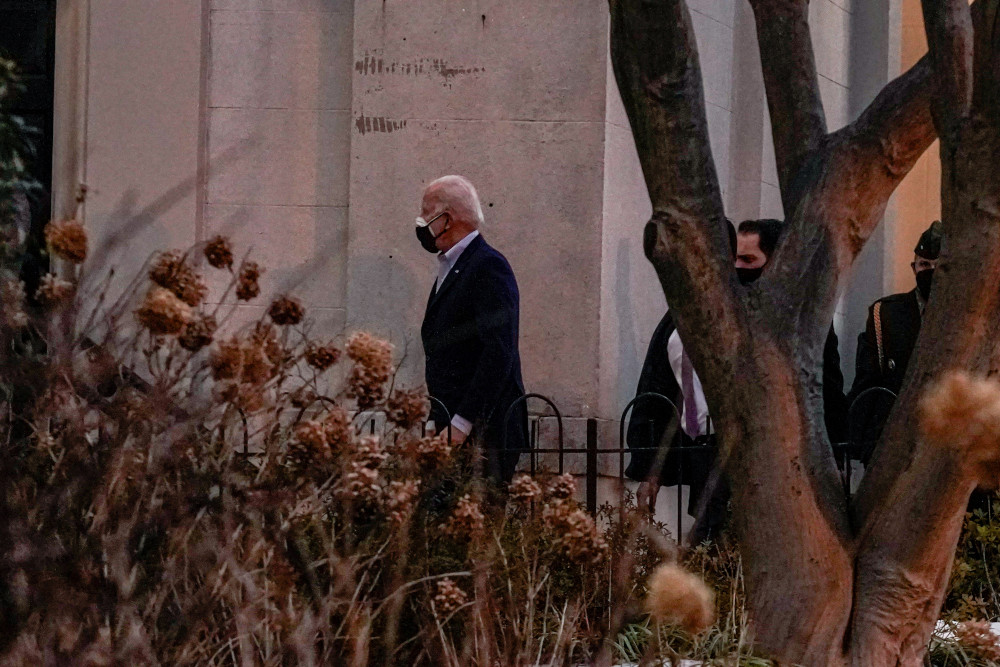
747, 276
426, 236
924, 280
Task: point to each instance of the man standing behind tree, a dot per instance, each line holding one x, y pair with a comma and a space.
470, 328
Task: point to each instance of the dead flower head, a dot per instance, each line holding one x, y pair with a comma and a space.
198, 333
12, 302
54, 291
67, 239
962, 411
372, 369
524, 489
979, 639
561, 487
247, 283
369, 452
467, 519
360, 484
337, 427
171, 270
241, 360
399, 499
407, 408
286, 310
321, 357
218, 252
163, 313
430, 451
676, 596
309, 447
449, 597
574, 533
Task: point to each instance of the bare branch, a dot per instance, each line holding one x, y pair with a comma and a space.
948, 24
798, 122
655, 60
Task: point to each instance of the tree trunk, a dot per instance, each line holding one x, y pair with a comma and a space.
830, 582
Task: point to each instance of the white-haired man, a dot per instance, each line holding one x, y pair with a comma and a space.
470, 328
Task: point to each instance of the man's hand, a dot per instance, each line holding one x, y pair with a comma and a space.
645, 497
458, 436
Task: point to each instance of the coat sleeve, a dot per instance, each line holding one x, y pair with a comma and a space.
496, 320
867, 371
834, 401
649, 419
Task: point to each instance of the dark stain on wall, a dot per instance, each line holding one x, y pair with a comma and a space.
374, 64
365, 124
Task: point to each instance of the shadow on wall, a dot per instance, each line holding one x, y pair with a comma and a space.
629, 361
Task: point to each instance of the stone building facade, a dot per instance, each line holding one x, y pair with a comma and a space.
307, 129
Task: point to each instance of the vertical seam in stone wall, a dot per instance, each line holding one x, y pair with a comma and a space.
84, 112
201, 180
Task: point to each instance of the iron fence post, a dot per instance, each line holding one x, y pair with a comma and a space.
592, 465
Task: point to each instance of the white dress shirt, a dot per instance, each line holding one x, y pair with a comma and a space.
675, 352
446, 262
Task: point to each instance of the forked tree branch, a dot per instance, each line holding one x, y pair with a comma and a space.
655, 60
798, 122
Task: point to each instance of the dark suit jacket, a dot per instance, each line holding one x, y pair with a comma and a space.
652, 424
470, 338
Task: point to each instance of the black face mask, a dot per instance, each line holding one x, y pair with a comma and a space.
747, 276
427, 238
924, 280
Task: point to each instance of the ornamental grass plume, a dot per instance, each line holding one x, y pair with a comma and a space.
198, 333
163, 313
53, 291
286, 310
67, 239
247, 282
449, 598
321, 357
170, 270
677, 597
219, 253
407, 408
962, 411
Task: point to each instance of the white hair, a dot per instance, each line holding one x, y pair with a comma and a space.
460, 196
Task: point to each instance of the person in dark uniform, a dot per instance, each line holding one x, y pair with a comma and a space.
885, 346
470, 329
653, 432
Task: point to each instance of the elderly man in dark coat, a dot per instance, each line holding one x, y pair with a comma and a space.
470, 329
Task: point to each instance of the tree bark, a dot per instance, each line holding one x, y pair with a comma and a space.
828, 584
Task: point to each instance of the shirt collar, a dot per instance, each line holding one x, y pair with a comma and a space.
453, 253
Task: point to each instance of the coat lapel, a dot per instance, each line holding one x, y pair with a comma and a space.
454, 274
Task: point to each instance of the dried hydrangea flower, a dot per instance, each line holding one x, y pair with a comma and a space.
679, 597
286, 310
308, 447
163, 313
67, 239
574, 533
241, 360
429, 451
337, 426
302, 397
449, 597
467, 519
360, 484
399, 499
524, 489
54, 291
247, 283
218, 252
561, 487
407, 408
171, 270
12, 302
980, 640
265, 337
198, 333
321, 357
372, 369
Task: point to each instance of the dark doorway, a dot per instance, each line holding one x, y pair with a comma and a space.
27, 36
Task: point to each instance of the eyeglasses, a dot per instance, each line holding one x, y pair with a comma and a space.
425, 223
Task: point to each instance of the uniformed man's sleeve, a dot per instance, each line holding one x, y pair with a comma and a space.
867, 371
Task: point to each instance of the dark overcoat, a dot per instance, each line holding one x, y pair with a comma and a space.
472, 363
